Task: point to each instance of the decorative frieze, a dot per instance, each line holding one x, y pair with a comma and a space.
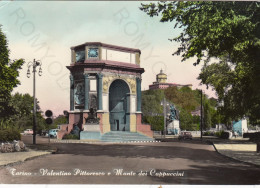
107, 80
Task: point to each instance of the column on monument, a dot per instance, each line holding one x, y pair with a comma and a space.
128, 101
86, 103
99, 90
71, 93
138, 93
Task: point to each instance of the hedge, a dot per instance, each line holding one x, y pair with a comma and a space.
208, 133
9, 135
222, 134
252, 136
71, 136
225, 135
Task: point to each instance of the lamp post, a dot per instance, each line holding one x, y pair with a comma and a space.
34, 64
164, 103
201, 113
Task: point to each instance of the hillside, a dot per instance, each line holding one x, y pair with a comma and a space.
186, 100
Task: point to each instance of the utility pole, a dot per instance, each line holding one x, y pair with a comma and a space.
201, 115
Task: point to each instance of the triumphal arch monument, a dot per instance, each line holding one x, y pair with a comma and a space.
105, 91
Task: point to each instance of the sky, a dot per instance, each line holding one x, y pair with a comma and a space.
46, 30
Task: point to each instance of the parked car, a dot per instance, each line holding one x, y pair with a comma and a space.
44, 133
53, 132
28, 132
185, 136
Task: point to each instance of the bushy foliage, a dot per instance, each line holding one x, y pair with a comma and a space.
70, 137
185, 120
185, 99
208, 133
61, 119
151, 102
252, 136
219, 133
155, 121
225, 36
7, 135
9, 72
222, 134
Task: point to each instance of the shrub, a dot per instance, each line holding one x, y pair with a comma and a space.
9, 135
155, 121
206, 133
70, 136
252, 136
225, 135
247, 135
219, 133
222, 134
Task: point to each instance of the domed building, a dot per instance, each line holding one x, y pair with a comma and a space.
161, 77
161, 82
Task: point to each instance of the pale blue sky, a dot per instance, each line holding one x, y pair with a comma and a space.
47, 30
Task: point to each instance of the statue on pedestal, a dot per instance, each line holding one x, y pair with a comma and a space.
92, 117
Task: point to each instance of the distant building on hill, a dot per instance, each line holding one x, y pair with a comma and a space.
161, 82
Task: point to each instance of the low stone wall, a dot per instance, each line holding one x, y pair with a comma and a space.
145, 129
64, 129
15, 146
61, 134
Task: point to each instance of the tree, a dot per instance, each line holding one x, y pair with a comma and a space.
157, 122
227, 33
183, 97
151, 102
186, 121
152, 108
207, 110
9, 71
196, 121
22, 105
61, 119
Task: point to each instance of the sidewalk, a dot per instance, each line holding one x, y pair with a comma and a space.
33, 151
240, 150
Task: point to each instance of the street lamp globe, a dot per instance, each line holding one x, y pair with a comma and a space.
28, 73
40, 71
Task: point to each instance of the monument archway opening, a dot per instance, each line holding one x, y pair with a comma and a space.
119, 106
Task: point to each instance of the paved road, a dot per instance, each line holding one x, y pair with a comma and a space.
198, 163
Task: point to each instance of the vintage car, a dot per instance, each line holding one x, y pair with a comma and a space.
43, 133
53, 132
185, 136
28, 132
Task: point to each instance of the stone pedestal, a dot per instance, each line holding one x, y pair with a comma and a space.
174, 127
91, 127
90, 132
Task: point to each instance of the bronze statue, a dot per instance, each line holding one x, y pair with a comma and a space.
92, 117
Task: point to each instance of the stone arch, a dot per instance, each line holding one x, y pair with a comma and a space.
119, 78
119, 105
